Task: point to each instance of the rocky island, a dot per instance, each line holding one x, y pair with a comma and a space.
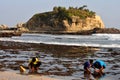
67, 21
80, 21
62, 20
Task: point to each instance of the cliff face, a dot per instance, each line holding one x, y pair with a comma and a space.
83, 25
51, 25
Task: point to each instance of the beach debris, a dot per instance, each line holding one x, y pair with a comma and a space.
22, 69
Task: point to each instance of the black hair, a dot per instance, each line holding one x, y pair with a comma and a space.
33, 59
91, 61
97, 65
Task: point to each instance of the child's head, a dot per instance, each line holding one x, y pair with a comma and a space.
91, 61
33, 59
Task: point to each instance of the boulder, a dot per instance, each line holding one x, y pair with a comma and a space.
3, 26
20, 28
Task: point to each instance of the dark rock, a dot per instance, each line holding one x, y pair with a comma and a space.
108, 30
9, 34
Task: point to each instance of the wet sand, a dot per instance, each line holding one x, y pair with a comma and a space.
15, 76
61, 62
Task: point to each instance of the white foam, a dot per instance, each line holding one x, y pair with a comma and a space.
95, 40
109, 36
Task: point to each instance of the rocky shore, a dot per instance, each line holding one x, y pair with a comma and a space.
63, 50
5, 31
55, 50
9, 34
57, 60
86, 32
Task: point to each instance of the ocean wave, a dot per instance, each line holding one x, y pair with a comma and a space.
108, 36
95, 40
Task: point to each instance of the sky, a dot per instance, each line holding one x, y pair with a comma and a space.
20, 11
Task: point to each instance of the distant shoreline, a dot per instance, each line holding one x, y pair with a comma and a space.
10, 33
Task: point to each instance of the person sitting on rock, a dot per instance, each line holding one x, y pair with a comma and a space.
34, 64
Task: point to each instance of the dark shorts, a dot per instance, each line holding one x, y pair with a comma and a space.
38, 64
35, 65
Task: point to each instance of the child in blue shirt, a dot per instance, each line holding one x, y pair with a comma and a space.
99, 66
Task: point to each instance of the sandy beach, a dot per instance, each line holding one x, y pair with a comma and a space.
7, 75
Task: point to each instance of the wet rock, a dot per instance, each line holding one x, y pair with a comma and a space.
57, 60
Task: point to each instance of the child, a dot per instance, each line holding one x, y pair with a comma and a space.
99, 66
87, 66
34, 64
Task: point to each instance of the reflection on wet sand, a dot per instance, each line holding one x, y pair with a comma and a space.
94, 76
99, 76
88, 76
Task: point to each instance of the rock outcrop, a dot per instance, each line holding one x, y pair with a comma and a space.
20, 28
107, 30
83, 25
5, 31
76, 25
9, 34
63, 20
3, 26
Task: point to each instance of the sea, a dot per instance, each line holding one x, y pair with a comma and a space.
94, 40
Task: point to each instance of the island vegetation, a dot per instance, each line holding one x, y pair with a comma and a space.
62, 13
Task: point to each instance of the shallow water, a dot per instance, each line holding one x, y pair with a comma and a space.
58, 66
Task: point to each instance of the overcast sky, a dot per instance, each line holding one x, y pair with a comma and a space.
17, 11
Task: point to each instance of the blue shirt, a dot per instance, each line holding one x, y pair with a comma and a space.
100, 62
86, 65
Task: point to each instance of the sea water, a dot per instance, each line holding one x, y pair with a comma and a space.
95, 40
